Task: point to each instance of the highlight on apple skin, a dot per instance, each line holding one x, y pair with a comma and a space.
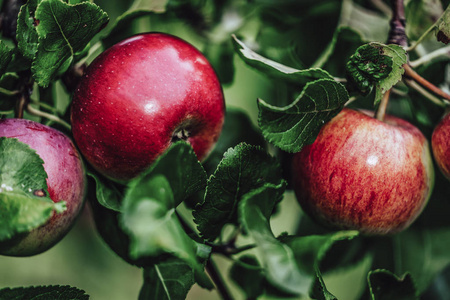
440, 143
364, 174
139, 96
66, 180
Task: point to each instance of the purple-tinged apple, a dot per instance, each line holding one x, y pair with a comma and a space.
440, 143
364, 174
139, 96
66, 181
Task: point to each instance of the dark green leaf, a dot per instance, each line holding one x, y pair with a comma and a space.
249, 276
242, 169
27, 36
298, 124
277, 258
168, 280
5, 57
182, 169
319, 290
275, 69
63, 30
108, 193
51, 292
152, 224
386, 286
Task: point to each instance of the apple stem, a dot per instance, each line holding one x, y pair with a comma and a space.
381, 110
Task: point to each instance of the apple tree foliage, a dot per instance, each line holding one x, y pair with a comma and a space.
174, 219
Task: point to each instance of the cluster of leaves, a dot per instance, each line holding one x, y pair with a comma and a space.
174, 217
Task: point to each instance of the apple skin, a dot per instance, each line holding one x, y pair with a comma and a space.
66, 180
364, 174
440, 143
138, 96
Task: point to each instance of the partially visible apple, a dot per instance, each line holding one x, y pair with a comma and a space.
440, 143
364, 174
140, 95
66, 181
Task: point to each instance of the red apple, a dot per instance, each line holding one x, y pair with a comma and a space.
440, 143
139, 96
65, 180
364, 174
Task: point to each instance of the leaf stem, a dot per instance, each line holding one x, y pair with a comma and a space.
430, 56
7, 92
413, 84
409, 72
422, 37
214, 273
381, 110
39, 113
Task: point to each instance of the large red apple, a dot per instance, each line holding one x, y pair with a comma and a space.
440, 143
139, 96
364, 174
66, 181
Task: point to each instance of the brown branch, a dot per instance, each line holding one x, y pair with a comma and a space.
397, 34
410, 73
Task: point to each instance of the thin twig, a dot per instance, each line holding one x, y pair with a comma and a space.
413, 84
409, 72
30, 109
214, 273
430, 56
381, 110
7, 92
422, 37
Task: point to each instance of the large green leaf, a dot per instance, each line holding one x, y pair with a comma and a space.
242, 169
63, 30
5, 57
277, 258
169, 280
22, 175
298, 124
149, 218
51, 292
108, 193
275, 69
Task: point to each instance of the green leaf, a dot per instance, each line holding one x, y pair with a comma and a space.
5, 57
21, 168
51, 292
107, 192
277, 258
20, 213
249, 276
63, 30
298, 124
152, 224
319, 290
21, 175
26, 34
168, 280
387, 286
181, 167
275, 69
242, 169
399, 58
